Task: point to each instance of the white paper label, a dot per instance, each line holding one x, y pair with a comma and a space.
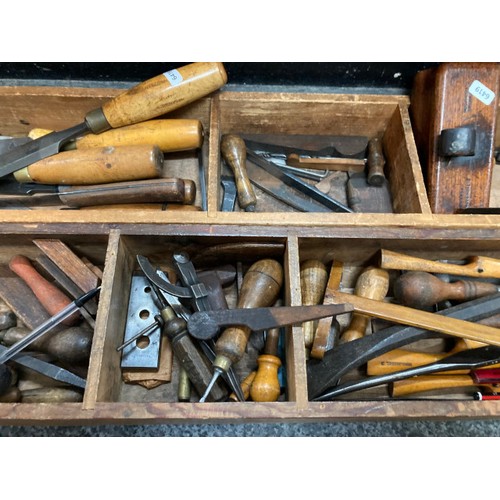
482, 92
174, 77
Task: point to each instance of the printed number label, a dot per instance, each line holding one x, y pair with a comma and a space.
174, 77
482, 92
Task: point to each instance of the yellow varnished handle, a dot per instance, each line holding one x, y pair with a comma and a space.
168, 135
95, 166
164, 93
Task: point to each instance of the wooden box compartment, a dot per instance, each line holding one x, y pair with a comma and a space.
30, 264
290, 118
108, 399
57, 108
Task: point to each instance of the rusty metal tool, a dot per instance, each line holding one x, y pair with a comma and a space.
194, 290
206, 324
326, 373
229, 194
463, 360
296, 183
150, 99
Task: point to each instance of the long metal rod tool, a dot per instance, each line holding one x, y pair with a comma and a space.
293, 181
48, 325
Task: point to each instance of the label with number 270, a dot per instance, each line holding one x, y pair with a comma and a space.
482, 92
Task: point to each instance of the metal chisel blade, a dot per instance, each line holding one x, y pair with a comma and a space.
33, 151
47, 369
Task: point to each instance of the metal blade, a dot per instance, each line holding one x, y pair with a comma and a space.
206, 324
276, 148
8, 143
33, 151
12, 187
296, 183
47, 369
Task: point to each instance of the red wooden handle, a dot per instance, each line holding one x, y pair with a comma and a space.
52, 299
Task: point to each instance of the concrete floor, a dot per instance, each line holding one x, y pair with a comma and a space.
467, 428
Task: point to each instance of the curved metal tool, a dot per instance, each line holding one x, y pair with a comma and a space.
463, 360
195, 291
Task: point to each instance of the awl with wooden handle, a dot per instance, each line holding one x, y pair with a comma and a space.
150, 99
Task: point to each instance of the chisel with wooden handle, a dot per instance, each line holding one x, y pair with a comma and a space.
149, 99
96, 166
170, 135
164, 190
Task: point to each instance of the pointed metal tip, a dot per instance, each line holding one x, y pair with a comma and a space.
210, 385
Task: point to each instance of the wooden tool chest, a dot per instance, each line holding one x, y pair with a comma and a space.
111, 240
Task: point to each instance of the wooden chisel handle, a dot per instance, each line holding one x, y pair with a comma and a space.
169, 135
313, 280
159, 95
424, 383
95, 166
51, 297
372, 283
165, 190
477, 267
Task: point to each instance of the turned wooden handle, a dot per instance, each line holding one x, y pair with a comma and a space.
71, 345
420, 289
266, 386
313, 279
95, 166
169, 135
165, 190
234, 152
477, 266
164, 93
260, 288
51, 297
372, 283
375, 163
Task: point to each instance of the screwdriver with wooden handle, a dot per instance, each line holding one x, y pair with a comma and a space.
260, 288
149, 99
372, 283
420, 289
233, 150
